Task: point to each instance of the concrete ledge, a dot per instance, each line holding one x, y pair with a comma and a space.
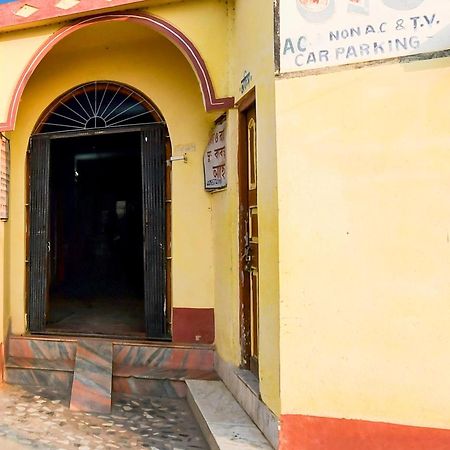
224, 423
247, 394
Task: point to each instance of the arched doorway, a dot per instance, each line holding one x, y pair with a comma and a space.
97, 239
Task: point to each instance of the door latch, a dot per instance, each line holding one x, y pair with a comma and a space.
247, 254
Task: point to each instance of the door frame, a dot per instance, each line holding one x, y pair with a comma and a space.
165, 306
247, 102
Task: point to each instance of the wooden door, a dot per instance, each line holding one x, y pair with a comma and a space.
153, 155
39, 235
249, 250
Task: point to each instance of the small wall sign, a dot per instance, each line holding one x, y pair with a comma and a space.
245, 82
215, 159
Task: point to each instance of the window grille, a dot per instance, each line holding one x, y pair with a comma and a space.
98, 104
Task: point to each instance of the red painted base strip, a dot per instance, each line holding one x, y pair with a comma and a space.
192, 325
317, 433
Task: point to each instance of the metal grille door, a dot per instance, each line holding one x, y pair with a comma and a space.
154, 223
39, 233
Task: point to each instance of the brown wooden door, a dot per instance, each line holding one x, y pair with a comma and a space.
249, 239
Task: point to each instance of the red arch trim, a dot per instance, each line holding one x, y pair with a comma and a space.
189, 50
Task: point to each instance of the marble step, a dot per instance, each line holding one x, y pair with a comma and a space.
156, 381
196, 357
39, 361
149, 388
224, 423
126, 379
55, 373
42, 348
92, 379
138, 367
155, 354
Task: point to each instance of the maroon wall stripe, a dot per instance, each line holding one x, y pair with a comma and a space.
193, 325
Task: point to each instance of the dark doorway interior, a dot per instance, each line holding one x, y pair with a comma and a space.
96, 245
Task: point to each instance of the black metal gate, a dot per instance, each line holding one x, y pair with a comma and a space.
39, 243
153, 159
154, 225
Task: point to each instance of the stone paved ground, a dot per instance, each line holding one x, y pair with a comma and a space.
40, 419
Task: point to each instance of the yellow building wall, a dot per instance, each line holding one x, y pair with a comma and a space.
18, 48
251, 50
231, 39
364, 182
136, 56
209, 36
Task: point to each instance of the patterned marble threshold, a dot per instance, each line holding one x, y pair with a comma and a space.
40, 418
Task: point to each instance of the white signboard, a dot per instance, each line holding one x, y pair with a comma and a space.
215, 160
323, 33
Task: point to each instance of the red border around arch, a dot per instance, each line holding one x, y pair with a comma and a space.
189, 50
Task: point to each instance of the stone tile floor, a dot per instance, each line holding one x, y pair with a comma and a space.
39, 418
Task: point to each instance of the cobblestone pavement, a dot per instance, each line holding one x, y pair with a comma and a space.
40, 419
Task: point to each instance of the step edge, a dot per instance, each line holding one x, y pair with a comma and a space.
162, 378
133, 367
73, 340
69, 364
116, 341
202, 419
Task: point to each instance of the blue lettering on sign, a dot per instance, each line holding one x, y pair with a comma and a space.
354, 51
352, 32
